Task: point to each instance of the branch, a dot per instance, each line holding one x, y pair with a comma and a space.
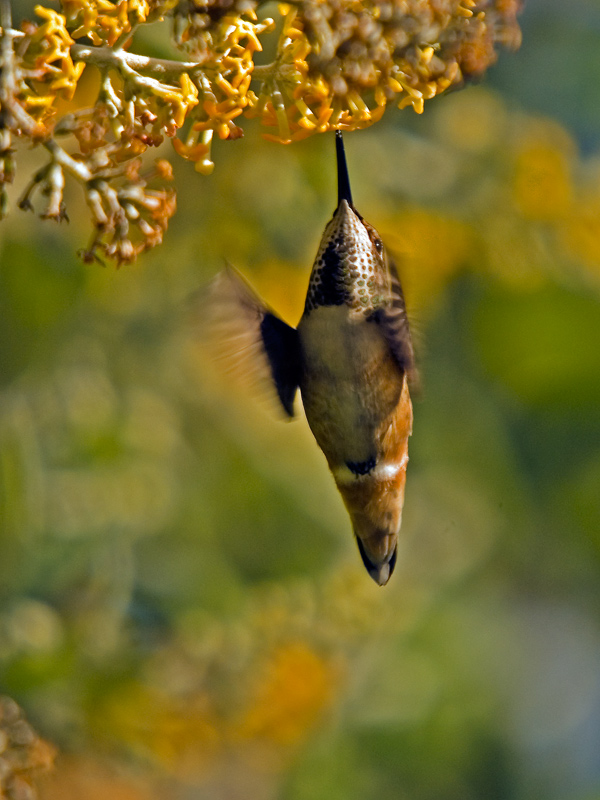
106, 56
77, 168
10, 109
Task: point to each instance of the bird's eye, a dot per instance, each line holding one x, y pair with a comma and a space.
378, 246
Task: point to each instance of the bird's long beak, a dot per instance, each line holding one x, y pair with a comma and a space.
344, 192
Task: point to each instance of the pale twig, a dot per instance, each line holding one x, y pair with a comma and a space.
55, 184
14, 115
106, 56
76, 168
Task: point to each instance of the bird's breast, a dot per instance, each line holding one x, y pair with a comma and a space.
350, 383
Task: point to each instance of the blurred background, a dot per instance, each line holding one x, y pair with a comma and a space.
183, 611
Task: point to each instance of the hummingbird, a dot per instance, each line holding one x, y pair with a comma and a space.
351, 356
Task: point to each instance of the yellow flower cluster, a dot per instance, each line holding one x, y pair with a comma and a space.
546, 191
535, 211
337, 65
261, 683
297, 684
188, 734
132, 112
227, 47
197, 27
183, 735
158, 111
432, 248
542, 181
340, 62
108, 23
46, 66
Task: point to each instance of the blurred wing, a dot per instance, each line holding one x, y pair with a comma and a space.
250, 337
393, 323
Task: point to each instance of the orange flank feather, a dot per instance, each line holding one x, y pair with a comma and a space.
374, 502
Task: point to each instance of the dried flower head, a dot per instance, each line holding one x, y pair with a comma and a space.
339, 62
108, 23
22, 753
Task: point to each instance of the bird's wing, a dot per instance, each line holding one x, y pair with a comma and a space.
392, 319
250, 337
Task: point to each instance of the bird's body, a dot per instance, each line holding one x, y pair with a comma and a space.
361, 422
351, 356
344, 401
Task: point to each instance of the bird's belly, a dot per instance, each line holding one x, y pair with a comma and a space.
350, 385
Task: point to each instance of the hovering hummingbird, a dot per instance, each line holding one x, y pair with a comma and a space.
352, 358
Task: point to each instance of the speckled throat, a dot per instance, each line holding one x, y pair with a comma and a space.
348, 268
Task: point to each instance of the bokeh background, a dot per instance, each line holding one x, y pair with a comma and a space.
183, 611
